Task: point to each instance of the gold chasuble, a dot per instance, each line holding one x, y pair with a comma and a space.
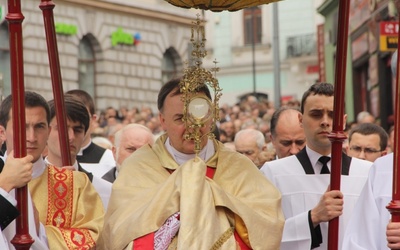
239, 198
69, 207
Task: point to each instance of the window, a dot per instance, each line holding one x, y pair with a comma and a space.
170, 65
252, 25
86, 66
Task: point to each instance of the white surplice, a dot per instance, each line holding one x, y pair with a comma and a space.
40, 240
367, 227
9, 232
301, 192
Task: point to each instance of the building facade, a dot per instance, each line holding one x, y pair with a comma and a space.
121, 52
373, 29
245, 68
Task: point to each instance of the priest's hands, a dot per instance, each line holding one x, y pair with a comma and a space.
17, 172
329, 207
393, 235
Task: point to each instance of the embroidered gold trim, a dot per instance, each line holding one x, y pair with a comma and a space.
224, 237
60, 193
78, 238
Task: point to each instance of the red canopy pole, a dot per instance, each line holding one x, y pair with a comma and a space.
55, 72
337, 135
22, 239
394, 205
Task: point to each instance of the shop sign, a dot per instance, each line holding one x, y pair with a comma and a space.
66, 29
122, 37
388, 36
2, 13
312, 69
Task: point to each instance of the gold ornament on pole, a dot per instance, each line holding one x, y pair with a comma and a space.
198, 109
219, 5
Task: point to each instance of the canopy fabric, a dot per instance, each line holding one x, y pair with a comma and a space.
219, 5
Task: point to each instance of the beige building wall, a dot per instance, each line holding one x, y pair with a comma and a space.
125, 75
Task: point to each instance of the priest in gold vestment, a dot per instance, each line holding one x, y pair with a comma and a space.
168, 197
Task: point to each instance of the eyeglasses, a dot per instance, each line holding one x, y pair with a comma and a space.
366, 150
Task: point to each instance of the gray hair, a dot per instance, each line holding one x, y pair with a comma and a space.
251, 134
118, 134
362, 115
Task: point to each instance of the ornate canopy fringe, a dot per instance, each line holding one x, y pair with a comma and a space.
219, 5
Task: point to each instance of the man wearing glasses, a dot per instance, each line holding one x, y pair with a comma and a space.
367, 141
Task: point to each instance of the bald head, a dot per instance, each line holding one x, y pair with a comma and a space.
250, 142
287, 135
128, 139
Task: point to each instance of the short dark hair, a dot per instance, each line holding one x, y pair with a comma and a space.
32, 100
85, 98
371, 129
322, 88
276, 115
75, 110
173, 86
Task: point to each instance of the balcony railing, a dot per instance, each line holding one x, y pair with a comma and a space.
301, 45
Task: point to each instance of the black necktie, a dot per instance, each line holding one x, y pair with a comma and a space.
324, 160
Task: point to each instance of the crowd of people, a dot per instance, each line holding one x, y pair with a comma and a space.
260, 182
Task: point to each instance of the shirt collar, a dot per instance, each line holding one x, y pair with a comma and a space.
206, 153
84, 147
38, 166
314, 156
75, 165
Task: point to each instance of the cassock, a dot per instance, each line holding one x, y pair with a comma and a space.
301, 191
111, 175
151, 187
95, 159
367, 226
8, 212
69, 207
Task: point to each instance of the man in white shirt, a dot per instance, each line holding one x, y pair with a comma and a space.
303, 179
370, 227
